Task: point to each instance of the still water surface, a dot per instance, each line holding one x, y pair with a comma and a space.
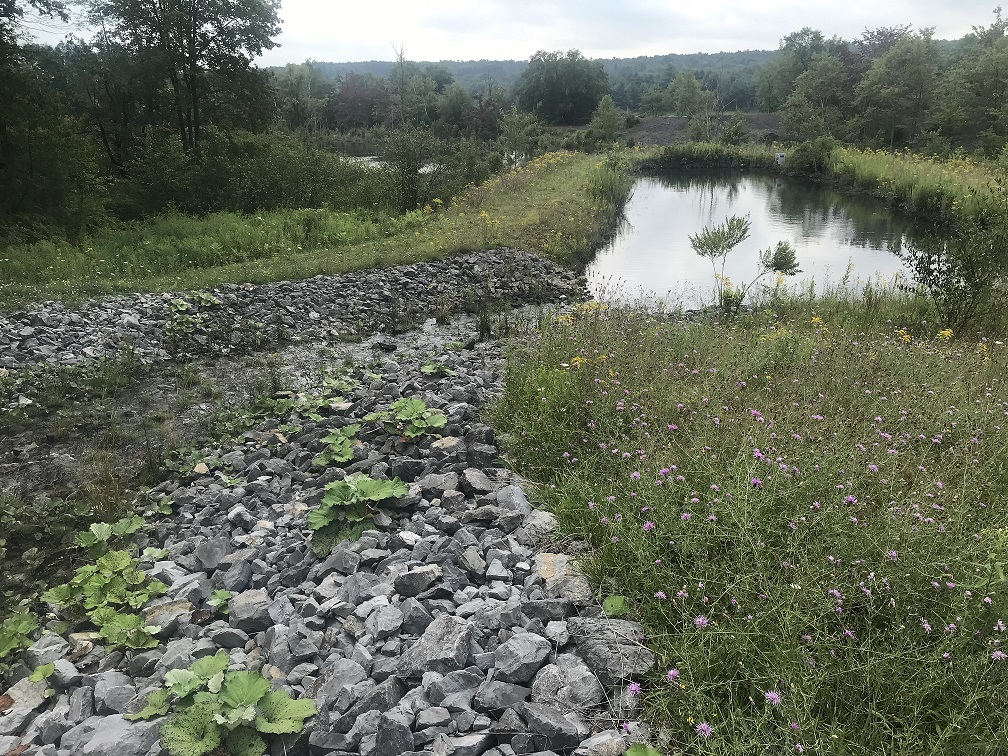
650, 253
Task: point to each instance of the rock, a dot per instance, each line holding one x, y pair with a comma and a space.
415, 617
436, 716
381, 697
539, 522
444, 646
65, 675
613, 648
607, 743
475, 481
384, 622
46, 650
517, 660
435, 485
210, 553
115, 735
229, 637
560, 733
453, 682
417, 580
249, 611
167, 616
343, 673
471, 745
393, 737
113, 691
471, 561
513, 498
496, 696
568, 685
193, 588
27, 698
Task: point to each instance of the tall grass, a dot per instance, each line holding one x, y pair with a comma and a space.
545, 206
691, 155
809, 518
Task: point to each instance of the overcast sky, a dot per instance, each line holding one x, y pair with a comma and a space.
351, 30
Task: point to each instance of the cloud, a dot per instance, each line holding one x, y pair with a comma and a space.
495, 29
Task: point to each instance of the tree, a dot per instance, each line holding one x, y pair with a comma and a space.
606, 121
519, 133
896, 94
411, 155
561, 89
190, 41
820, 102
775, 80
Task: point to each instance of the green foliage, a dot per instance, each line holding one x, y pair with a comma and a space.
561, 88
96, 538
611, 184
16, 632
606, 122
214, 706
219, 600
348, 502
640, 749
408, 417
436, 369
519, 135
715, 242
340, 443
615, 606
744, 573
100, 590
41, 673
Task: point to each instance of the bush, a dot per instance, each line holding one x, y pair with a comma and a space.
813, 157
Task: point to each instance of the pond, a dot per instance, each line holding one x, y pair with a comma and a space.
836, 237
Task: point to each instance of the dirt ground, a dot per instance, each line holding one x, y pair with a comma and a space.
655, 131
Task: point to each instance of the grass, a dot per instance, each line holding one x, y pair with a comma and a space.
545, 206
807, 512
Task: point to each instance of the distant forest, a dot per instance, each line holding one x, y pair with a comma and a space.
731, 74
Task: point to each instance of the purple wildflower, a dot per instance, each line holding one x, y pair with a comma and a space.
772, 697
701, 622
704, 730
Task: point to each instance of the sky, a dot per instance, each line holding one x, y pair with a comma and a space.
341, 31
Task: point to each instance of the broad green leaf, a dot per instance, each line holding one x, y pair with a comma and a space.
208, 666
282, 714
437, 420
244, 741
319, 518
232, 718
102, 531
193, 732
127, 525
243, 689
215, 682
41, 673
157, 706
114, 562
615, 606
85, 539
640, 749
182, 682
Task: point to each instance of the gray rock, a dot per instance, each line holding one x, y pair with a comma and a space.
115, 735
393, 737
249, 611
436, 716
417, 580
46, 650
454, 682
435, 485
81, 705
539, 523
384, 622
518, 659
381, 697
167, 616
229, 637
607, 743
236, 578
178, 654
560, 733
194, 588
475, 482
415, 617
495, 696
210, 553
613, 648
28, 697
568, 685
113, 691
475, 744
445, 645
471, 561
65, 675
513, 498
343, 673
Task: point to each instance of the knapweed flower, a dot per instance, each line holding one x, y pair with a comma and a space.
999, 656
660, 595
673, 674
701, 622
772, 697
647, 525
633, 689
892, 555
756, 483
635, 475
704, 730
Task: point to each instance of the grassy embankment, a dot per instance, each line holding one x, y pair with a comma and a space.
560, 204
805, 506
